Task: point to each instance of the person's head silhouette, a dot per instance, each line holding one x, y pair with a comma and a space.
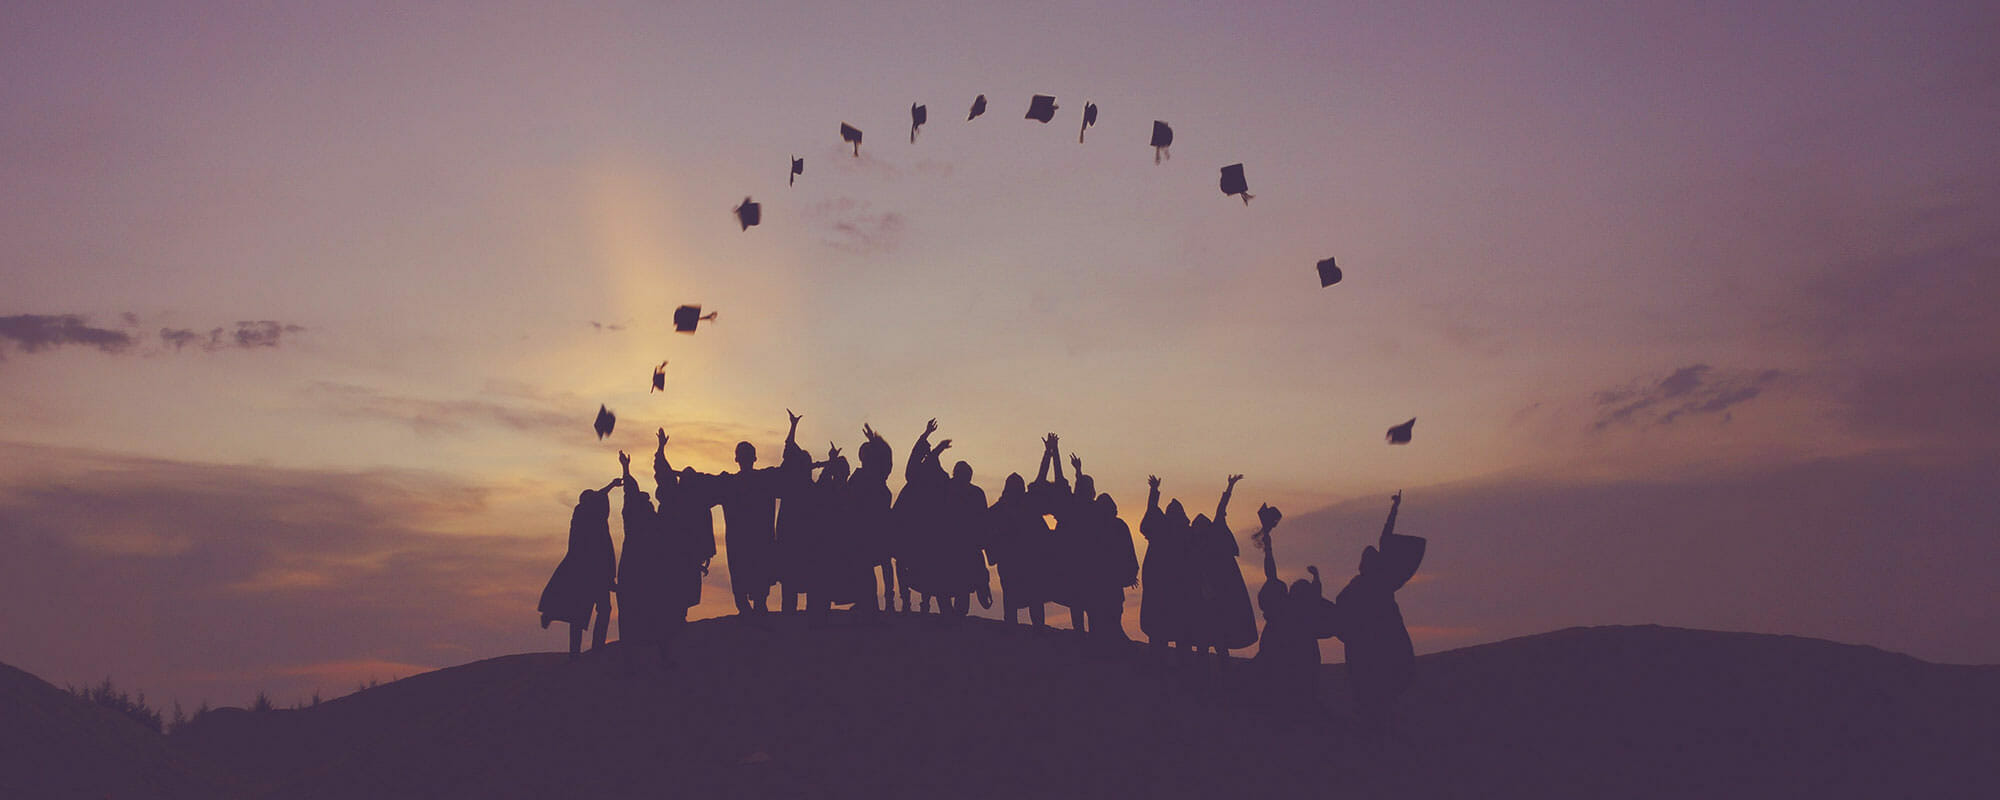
962, 472
1176, 514
1016, 485
1107, 506
746, 455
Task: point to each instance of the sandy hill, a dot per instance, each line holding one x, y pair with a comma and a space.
55, 744
927, 708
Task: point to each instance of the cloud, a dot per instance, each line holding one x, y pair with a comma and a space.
248, 335
432, 417
854, 229
601, 327
1693, 390
35, 332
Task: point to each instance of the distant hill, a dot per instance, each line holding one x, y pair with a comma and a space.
929, 708
55, 744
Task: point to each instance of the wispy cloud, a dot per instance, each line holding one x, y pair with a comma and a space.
429, 416
247, 335
856, 229
1693, 390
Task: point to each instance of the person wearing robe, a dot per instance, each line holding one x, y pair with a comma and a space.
793, 478
647, 616
1288, 650
917, 517
1223, 618
1166, 599
836, 566
868, 507
749, 516
1047, 499
1014, 530
1114, 567
1075, 546
580, 588
1381, 661
961, 564
687, 523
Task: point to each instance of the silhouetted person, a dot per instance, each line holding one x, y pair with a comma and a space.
1113, 567
835, 563
1223, 619
749, 517
1288, 651
918, 512
793, 478
687, 523
1381, 661
1053, 498
963, 531
581, 584
1014, 543
647, 615
868, 510
1166, 599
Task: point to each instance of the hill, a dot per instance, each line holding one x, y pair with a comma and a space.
55, 744
929, 708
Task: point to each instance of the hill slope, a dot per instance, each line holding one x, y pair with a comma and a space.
55, 744
924, 708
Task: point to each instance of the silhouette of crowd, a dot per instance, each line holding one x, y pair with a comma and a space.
837, 538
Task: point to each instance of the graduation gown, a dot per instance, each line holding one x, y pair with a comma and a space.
1166, 580
749, 516
1223, 616
1381, 660
646, 608
1014, 543
688, 526
583, 580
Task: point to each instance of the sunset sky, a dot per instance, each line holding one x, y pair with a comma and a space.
1694, 302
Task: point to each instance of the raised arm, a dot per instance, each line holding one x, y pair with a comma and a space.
1389, 527
1077, 463
1152, 495
625, 465
1055, 454
921, 451
663, 472
1048, 454
1222, 506
1267, 519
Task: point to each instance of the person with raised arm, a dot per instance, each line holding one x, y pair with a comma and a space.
1287, 652
1223, 619
581, 585
1114, 567
868, 510
964, 528
1166, 584
1014, 546
1074, 553
793, 480
917, 517
749, 517
687, 500
647, 615
1381, 660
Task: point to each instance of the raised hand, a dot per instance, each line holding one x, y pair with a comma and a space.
795, 418
832, 451
1076, 463
941, 447
1232, 481
1153, 482
624, 460
868, 432
662, 433
930, 427
1396, 499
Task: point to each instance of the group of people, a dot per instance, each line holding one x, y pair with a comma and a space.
835, 538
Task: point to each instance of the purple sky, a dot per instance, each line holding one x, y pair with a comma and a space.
1694, 302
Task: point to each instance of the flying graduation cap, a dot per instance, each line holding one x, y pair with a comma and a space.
1163, 136
1234, 183
685, 318
1329, 274
798, 168
749, 213
1401, 433
978, 108
1089, 119
605, 420
659, 378
918, 114
849, 133
1041, 108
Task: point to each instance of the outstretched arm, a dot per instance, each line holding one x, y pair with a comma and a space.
921, 451
1048, 454
1152, 494
1222, 506
625, 464
1389, 527
662, 471
1268, 517
1055, 454
614, 483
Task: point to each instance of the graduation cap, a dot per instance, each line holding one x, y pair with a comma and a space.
918, 114
685, 318
1163, 136
798, 168
849, 133
749, 213
1328, 273
1233, 182
1401, 433
978, 107
659, 378
1041, 108
604, 422
1089, 119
